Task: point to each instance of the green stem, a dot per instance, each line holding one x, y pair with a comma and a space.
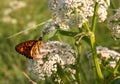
95, 58
116, 67
93, 46
112, 4
87, 27
63, 75
78, 75
94, 17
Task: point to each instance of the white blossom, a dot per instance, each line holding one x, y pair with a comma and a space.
73, 13
106, 54
102, 10
114, 24
14, 5
31, 24
7, 11
8, 19
51, 53
17, 4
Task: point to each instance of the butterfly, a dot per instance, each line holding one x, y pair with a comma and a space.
30, 48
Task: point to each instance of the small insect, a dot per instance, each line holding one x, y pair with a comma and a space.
30, 48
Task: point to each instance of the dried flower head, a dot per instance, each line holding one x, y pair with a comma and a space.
7, 11
106, 54
17, 4
14, 5
51, 53
73, 13
48, 27
114, 24
8, 19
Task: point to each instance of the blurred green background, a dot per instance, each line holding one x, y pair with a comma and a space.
18, 16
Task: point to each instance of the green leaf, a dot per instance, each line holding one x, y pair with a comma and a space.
67, 33
116, 81
63, 75
52, 34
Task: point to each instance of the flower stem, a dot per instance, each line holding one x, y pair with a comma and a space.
94, 17
95, 58
63, 75
116, 67
78, 75
93, 46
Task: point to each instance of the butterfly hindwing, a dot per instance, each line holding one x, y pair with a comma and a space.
36, 49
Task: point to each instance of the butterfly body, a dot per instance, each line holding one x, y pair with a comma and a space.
30, 48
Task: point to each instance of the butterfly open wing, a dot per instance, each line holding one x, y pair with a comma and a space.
30, 49
25, 48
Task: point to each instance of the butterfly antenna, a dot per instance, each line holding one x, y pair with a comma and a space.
40, 38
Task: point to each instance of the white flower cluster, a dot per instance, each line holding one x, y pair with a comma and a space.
51, 53
102, 10
31, 24
14, 5
17, 4
114, 24
73, 13
8, 19
107, 55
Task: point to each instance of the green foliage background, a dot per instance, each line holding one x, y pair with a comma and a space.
13, 64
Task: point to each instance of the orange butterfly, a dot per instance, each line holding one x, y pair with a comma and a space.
30, 49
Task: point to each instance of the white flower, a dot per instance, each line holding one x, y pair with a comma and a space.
116, 31
51, 53
7, 11
31, 24
114, 24
14, 5
17, 4
8, 19
102, 13
73, 13
107, 54
102, 10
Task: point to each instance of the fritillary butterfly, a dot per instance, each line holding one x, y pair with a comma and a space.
30, 48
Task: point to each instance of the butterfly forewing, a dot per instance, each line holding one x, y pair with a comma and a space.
25, 48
